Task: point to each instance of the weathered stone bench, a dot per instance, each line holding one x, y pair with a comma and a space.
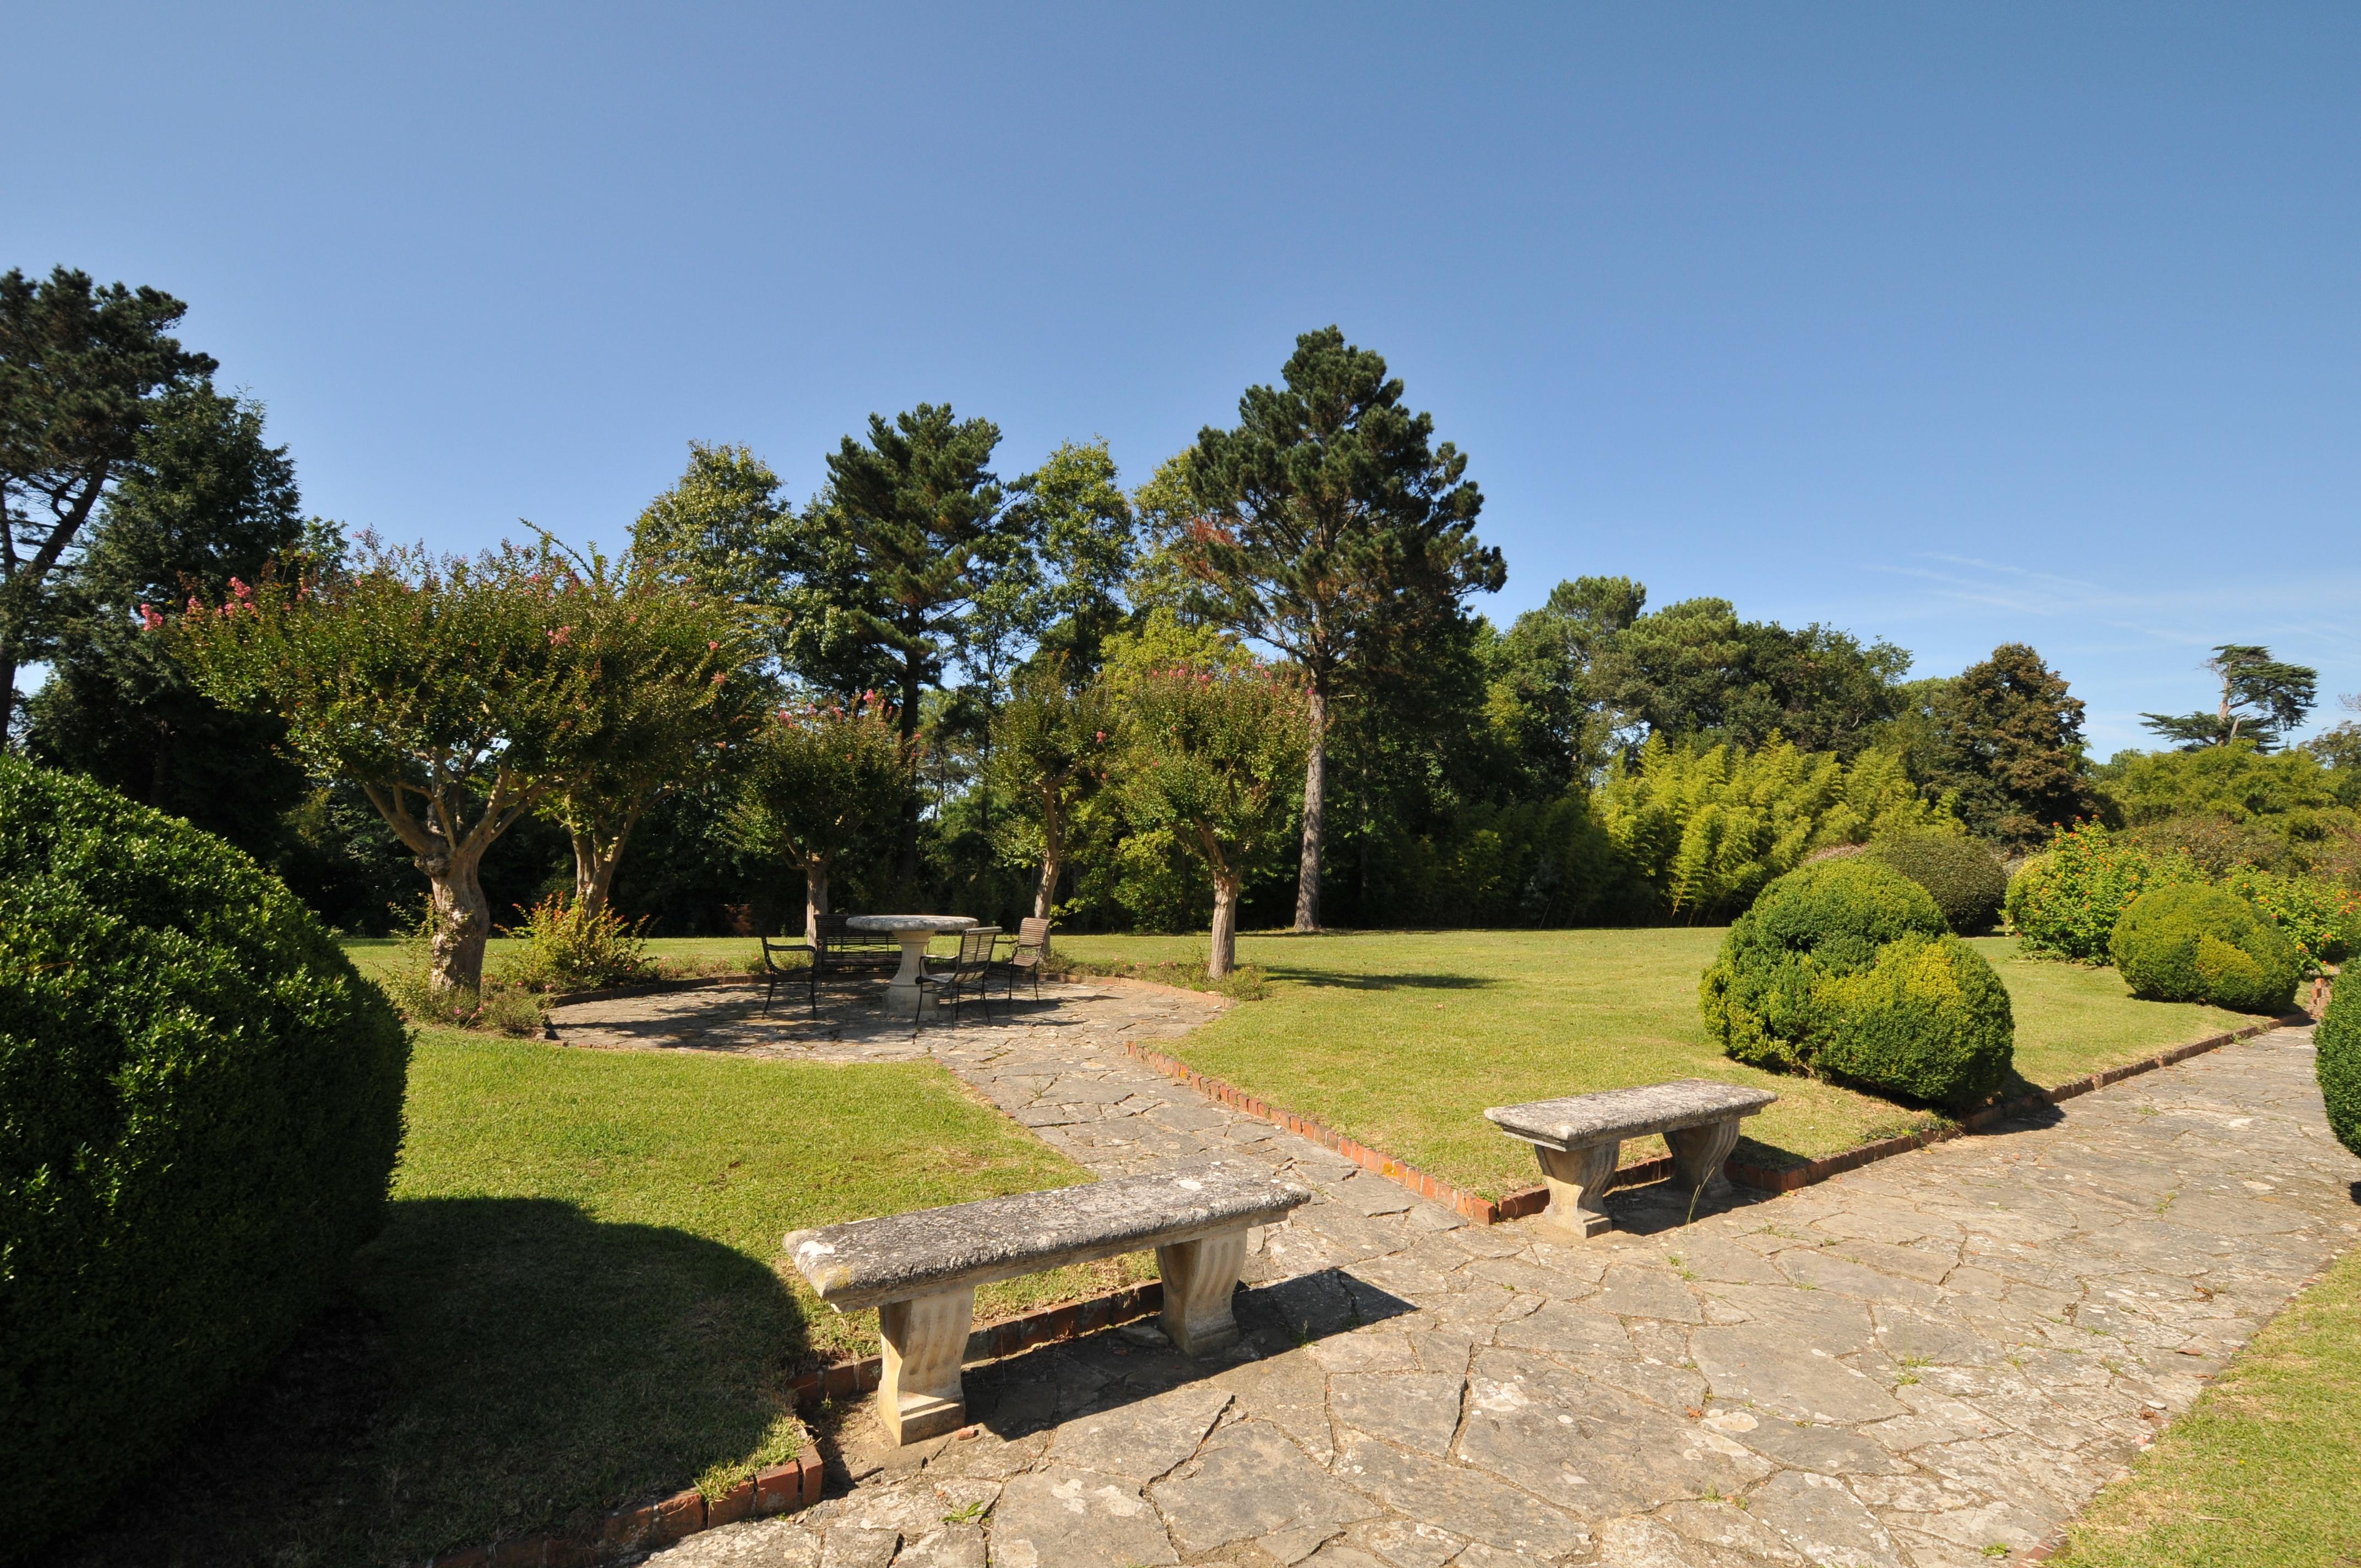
1577, 1137
920, 1271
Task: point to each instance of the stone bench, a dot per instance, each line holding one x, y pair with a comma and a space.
1577, 1137
920, 1271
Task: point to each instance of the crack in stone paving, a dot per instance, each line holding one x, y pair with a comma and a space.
1909, 1364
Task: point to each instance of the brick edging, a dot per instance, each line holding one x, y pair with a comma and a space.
780, 1489
1534, 1200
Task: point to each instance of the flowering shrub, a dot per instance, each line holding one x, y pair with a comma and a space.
2065, 900
2322, 920
816, 775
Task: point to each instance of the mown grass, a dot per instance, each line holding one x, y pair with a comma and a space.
580, 1298
1400, 1039
2261, 1471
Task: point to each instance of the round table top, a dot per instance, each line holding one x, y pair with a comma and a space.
894, 925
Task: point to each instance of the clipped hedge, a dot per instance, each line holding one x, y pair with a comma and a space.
200, 1106
2338, 1039
2065, 900
1961, 873
1845, 968
2193, 943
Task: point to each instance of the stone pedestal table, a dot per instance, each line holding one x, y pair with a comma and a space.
904, 995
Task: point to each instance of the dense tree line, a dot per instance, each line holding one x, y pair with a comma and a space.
1033, 694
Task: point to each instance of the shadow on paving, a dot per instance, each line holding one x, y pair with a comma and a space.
498, 1367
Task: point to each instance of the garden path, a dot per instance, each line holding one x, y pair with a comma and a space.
1913, 1363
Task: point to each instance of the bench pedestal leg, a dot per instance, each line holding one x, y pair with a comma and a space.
1698, 1153
918, 1395
1577, 1187
1199, 1280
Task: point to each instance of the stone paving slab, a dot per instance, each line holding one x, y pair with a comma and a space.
1906, 1366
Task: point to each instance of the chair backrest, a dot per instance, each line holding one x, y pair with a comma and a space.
975, 946
828, 930
772, 945
1033, 936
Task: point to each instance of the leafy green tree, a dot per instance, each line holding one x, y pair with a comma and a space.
1212, 754
452, 691
1080, 523
2262, 700
1540, 690
1334, 530
920, 515
815, 777
1050, 741
204, 498
2005, 738
659, 707
81, 370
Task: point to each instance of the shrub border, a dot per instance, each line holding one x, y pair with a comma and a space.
1534, 1200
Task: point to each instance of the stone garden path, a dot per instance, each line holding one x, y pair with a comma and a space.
1908, 1365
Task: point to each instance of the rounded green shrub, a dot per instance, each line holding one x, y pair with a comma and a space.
200, 1106
2065, 900
1962, 874
1928, 1020
2192, 943
2338, 1039
1845, 968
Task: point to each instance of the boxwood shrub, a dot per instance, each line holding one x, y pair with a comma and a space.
2192, 943
200, 1106
1845, 968
1962, 874
2338, 1039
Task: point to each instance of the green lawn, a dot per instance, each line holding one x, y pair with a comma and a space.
2260, 1473
580, 1298
1400, 1039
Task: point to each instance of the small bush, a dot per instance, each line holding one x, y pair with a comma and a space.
2322, 919
2205, 944
2065, 901
2338, 1039
567, 948
1963, 873
1928, 1021
1845, 968
200, 1105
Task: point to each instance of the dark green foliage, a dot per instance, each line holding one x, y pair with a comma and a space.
200, 1105
1843, 968
2194, 943
1963, 873
2004, 740
2262, 698
2338, 1039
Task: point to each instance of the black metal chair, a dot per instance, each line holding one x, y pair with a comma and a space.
969, 974
774, 949
848, 953
1027, 958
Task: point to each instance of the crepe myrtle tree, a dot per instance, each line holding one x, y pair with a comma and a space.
1050, 742
813, 778
1216, 755
456, 693
670, 685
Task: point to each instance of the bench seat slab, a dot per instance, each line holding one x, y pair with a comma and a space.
864, 1263
1578, 1121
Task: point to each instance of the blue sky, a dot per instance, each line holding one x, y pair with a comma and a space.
1950, 325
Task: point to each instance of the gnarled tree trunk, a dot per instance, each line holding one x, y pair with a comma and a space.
1315, 811
460, 920
1222, 955
815, 895
1053, 855
595, 863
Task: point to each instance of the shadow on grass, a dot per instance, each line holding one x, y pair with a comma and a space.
1348, 980
498, 1366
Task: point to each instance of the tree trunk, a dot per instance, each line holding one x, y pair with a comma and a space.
1315, 811
1053, 855
912, 690
594, 867
461, 921
815, 895
7, 688
1222, 956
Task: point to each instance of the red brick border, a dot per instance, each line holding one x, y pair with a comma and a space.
628, 1533
1532, 1199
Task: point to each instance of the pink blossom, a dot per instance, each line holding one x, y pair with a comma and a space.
1102, 735
562, 634
719, 677
149, 618
712, 647
240, 589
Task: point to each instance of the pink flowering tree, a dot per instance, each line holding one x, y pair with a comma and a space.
456, 693
816, 775
1217, 756
1050, 744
